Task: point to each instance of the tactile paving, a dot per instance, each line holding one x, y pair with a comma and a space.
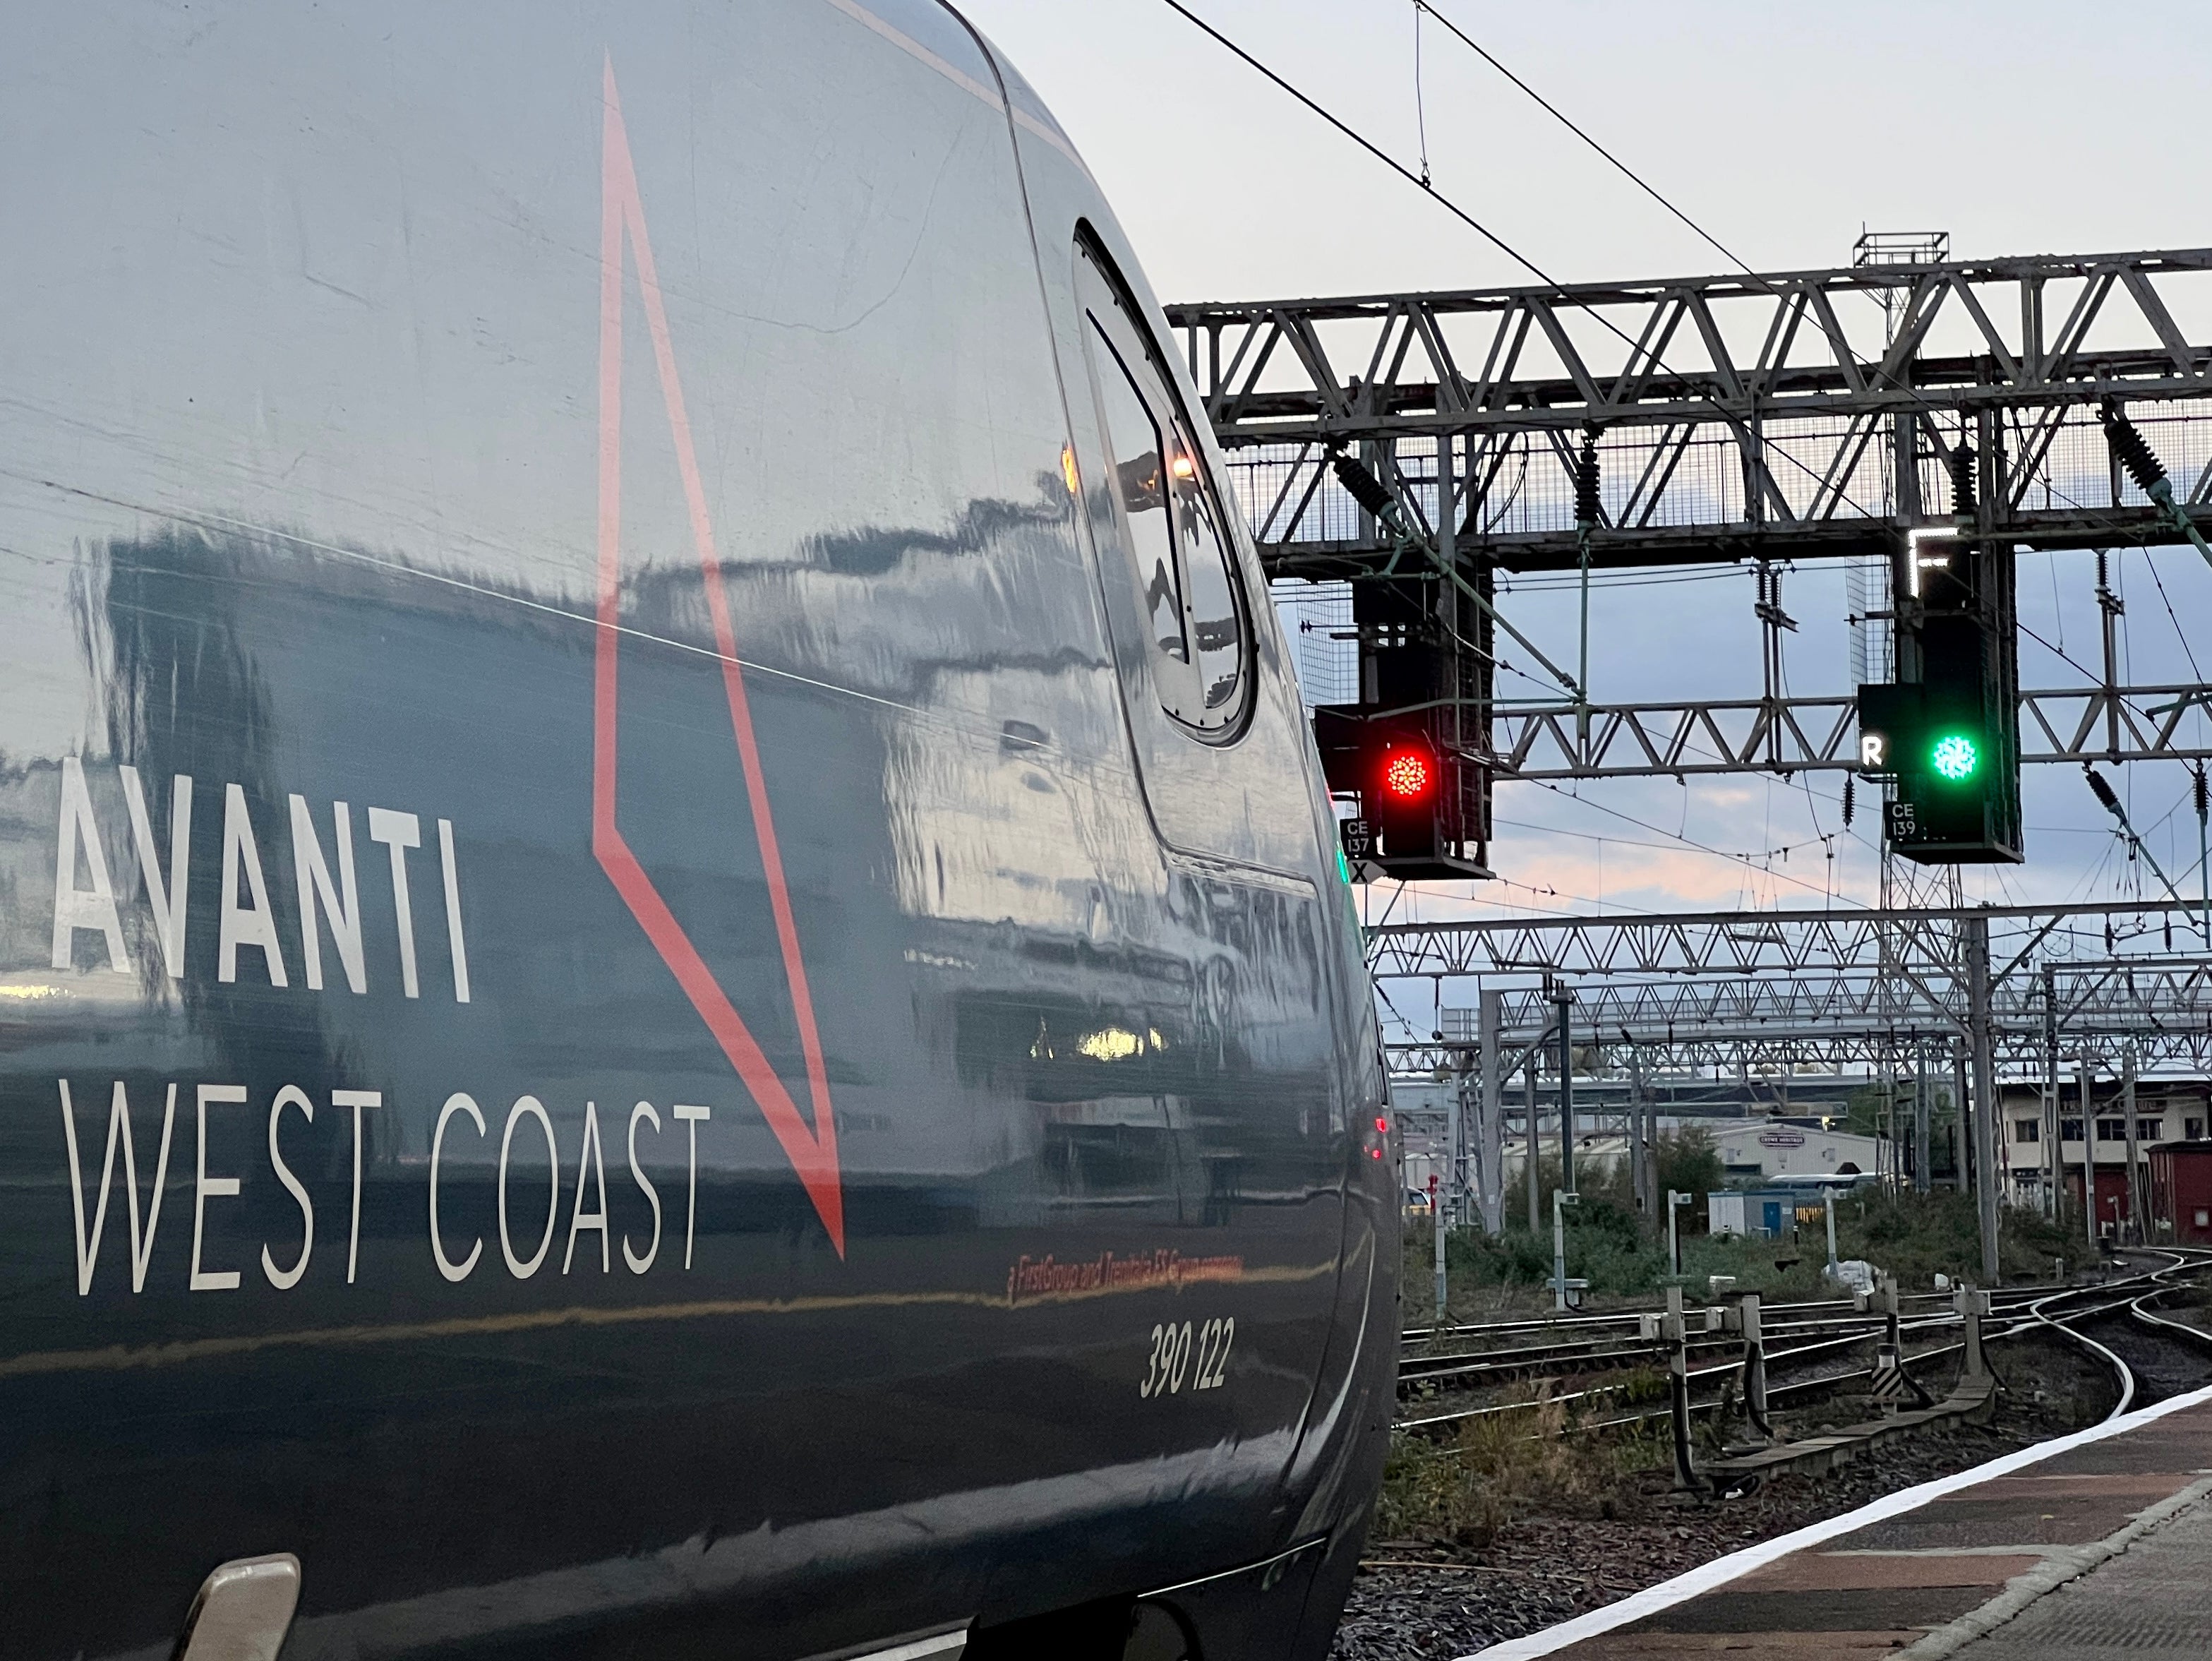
2154, 1599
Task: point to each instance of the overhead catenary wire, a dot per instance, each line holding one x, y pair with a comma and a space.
1627, 172
1367, 144
1497, 241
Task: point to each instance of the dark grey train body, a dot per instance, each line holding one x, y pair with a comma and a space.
673, 978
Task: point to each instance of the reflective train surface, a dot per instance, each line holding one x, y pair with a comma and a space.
673, 977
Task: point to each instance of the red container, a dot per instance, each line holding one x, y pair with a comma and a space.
2181, 1189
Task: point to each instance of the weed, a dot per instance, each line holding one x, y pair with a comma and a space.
1464, 1489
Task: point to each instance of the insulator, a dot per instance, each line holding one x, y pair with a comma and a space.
2104, 790
2129, 444
2202, 796
1962, 480
1847, 801
1363, 487
1586, 508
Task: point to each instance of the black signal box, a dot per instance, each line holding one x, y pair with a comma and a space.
1946, 731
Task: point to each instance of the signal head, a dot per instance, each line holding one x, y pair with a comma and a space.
1409, 774
1955, 758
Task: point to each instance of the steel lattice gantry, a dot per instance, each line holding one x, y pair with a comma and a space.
1921, 939
2078, 724
1826, 987
1780, 415
2016, 1053
2163, 1007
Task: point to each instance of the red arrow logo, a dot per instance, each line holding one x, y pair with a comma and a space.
813, 1150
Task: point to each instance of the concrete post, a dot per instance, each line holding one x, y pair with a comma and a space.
1972, 1304
1561, 1201
1639, 1157
1563, 997
2053, 1113
1455, 1183
1921, 1153
1754, 1371
1491, 1124
1535, 1199
1651, 1146
1674, 1329
1989, 1150
1962, 1141
2134, 1150
1437, 1222
2089, 1155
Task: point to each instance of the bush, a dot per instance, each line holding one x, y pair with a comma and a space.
1463, 1488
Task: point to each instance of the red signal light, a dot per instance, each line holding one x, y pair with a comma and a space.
1407, 775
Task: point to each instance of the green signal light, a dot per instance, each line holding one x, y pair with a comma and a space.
1955, 758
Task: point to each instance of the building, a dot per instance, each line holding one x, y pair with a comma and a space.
2166, 1111
1757, 1213
1765, 1148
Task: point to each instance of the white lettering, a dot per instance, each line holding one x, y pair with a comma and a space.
254, 925
459, 1102
579, 1219
341, 907
399, 832
119, 1126
167, 898
691, 1115
528, 1107
76, 908
205, 1188
638, 1265
1873, 748
357, 1099
454, 943
285, 1279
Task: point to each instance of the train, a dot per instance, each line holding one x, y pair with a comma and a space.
674, 974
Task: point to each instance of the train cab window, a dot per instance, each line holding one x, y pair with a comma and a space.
1216, 625
1137, 465
1165, 513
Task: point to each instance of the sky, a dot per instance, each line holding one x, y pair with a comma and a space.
1782, 129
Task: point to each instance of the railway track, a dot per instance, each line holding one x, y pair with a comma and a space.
1809, 1348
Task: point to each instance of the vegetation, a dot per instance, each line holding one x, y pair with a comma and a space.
1914, 1236
1463, 1490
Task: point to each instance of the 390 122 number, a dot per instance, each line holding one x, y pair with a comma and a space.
1169, 1366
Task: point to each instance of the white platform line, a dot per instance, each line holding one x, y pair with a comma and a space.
1721, 1570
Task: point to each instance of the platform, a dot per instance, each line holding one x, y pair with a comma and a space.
2095, 1544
